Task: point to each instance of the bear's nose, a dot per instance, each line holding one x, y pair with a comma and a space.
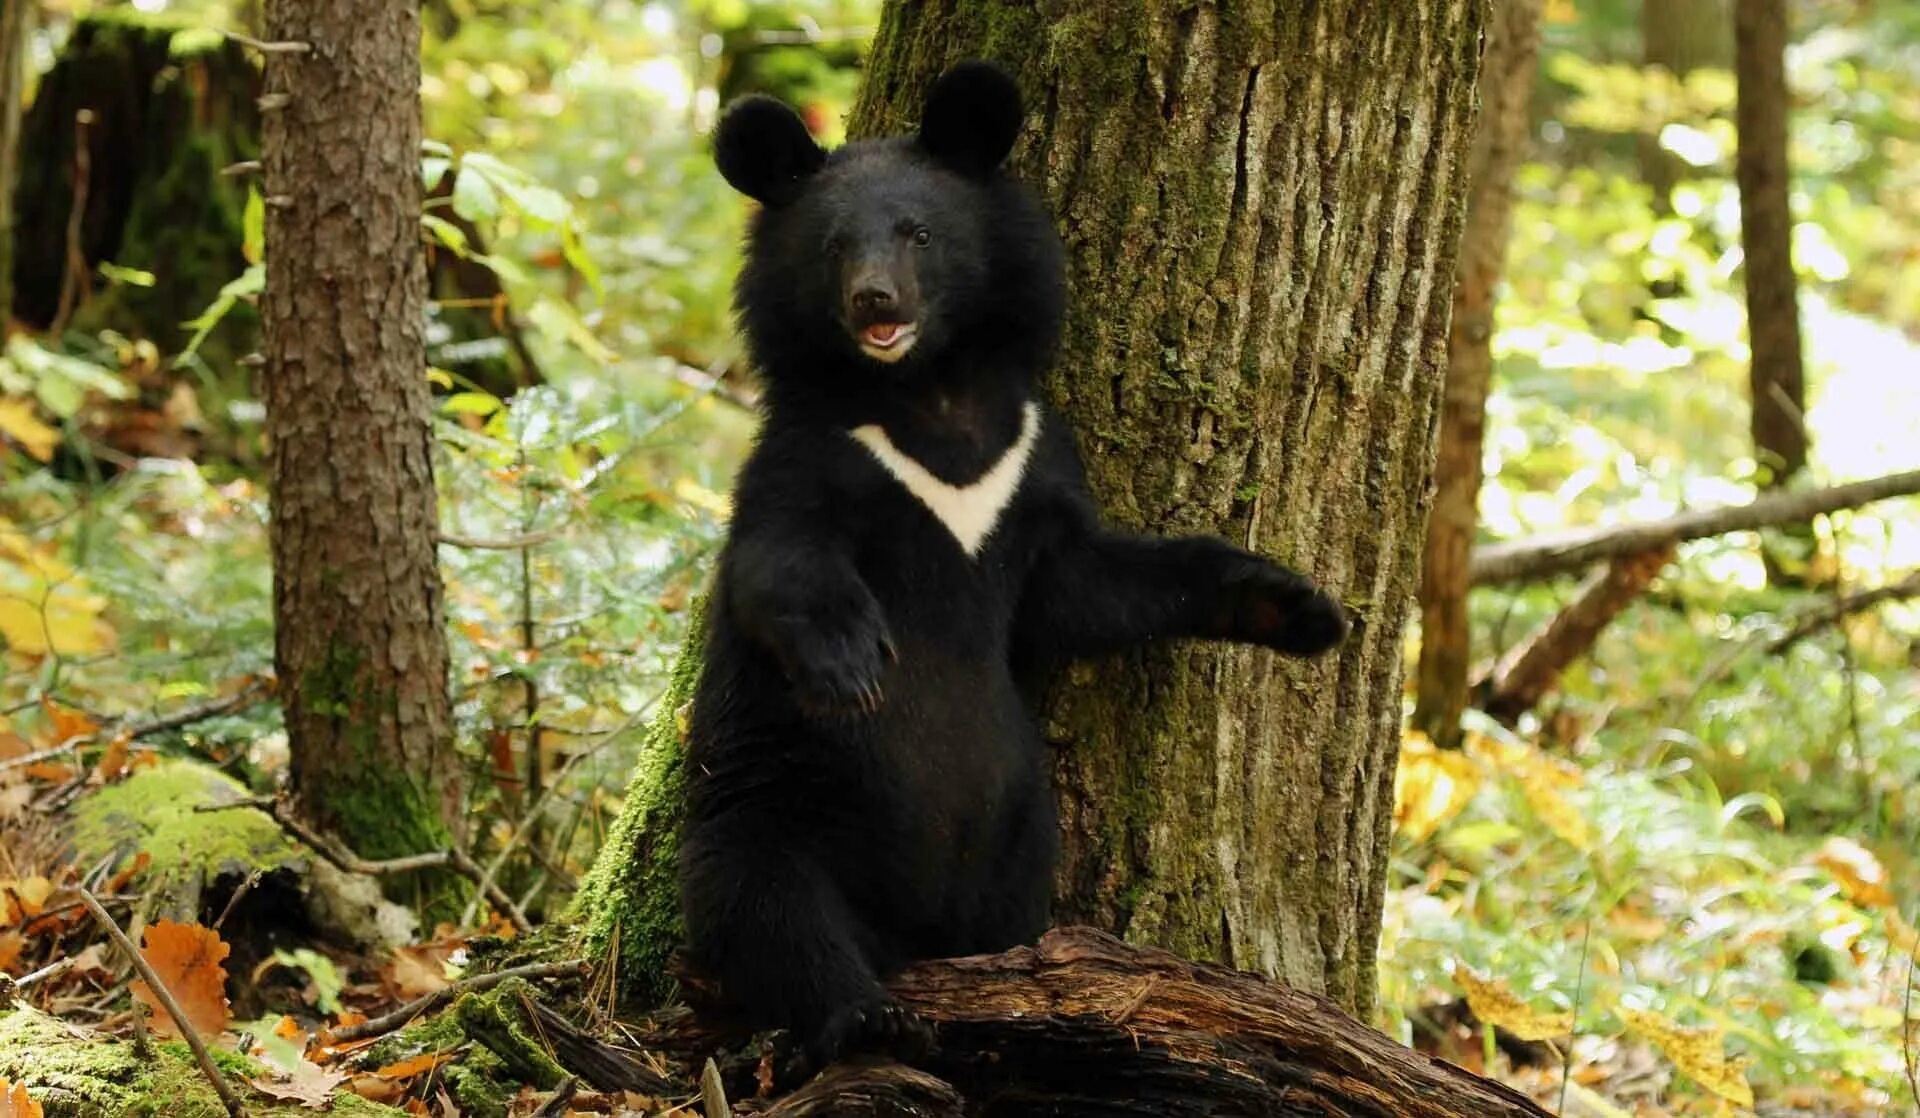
873, 300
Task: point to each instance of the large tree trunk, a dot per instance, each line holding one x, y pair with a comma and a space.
16, 22
1500, 144
360, 642
1777, 375
1260, 204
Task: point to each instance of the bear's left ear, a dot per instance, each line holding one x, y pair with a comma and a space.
764, 150
972, 118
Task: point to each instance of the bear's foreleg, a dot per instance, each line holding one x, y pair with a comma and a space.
1105, 590
806, 604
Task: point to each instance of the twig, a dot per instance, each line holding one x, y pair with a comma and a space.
1573, 1029
73, 281
1906, 1031
265, 47
562, 1095
379, 1026
507, 543
713, 1093
165, 996
454, 859
185, 716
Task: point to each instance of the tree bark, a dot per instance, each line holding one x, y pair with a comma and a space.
1520, 560
1777, 376
1533, 668
1261, 204
360, 638
16, 23
1507, 71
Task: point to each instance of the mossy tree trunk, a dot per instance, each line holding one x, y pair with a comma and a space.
1507, 74
1260, 203
360, 638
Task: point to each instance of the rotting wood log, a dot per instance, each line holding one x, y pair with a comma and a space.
1083, 1024
1540, 556
1533, 667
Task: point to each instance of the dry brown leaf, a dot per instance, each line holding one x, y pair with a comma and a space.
417, 971
12, 943
310, 1086
67, 722
187, 958
16, 1103
120, 880
113, 762
29, 896
1493, 1003
14, 798
415, 1065
1860, 875
375, 1089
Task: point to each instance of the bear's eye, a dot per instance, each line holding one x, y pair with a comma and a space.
922, 236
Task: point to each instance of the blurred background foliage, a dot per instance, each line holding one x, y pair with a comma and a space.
1695, 831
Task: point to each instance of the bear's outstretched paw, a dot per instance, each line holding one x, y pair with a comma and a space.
1288, 613
881, 1025
838, 674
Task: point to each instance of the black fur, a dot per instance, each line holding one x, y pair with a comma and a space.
867, 785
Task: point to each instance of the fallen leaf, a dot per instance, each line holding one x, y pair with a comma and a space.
120, 880
12, 943
1493, 1003
67, 722
1700, 1053
310, 1086
113, 761
375, 1089
187, 958
1859, 874
415, 1065
16, 1103
29, 895
419, 970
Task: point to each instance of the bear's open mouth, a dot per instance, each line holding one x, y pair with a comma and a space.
887, 341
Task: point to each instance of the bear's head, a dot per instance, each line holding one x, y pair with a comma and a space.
893, 262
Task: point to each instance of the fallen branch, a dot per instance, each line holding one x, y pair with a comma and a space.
504, 543
1534, 666
174, 720
165, 996
454, 859
1533, 558
379, 1026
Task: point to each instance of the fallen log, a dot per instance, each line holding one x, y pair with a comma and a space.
1520, 560
1082, 1024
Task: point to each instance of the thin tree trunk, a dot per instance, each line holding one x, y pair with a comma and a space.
16, 23
1777, 375
360, 642
1261, 204
1679, 37
1507, 73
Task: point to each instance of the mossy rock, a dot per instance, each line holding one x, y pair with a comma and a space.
74, 1073
153, 811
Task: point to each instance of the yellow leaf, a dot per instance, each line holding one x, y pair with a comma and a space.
700, 497
1700, 1053
19, 423
1542, 780
1902, 935
1858, 872
1562, 818
1494, 1004
1431, 786
16, 1103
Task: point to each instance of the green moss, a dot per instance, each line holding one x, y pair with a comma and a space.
153, 811
76, 1074
629, 902
497, 1020
481, 1084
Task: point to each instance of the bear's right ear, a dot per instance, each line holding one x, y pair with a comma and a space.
764, 150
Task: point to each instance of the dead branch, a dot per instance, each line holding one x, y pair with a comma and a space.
1533, 667
454, 859
504, 543
427, 1003
1534, 558
185, 716
160, 991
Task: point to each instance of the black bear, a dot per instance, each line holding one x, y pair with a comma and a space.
912, 544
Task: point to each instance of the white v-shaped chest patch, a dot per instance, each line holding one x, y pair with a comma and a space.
969, 511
